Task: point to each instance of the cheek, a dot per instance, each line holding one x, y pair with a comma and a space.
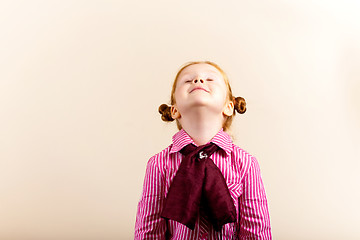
180, 90
178, 96
223, 92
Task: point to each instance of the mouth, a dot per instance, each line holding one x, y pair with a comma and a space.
199, 88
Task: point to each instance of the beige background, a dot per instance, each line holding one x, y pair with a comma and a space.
81, 81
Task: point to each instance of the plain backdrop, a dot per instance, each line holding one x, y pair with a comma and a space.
81, 82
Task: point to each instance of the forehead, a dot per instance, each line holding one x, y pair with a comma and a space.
200, 68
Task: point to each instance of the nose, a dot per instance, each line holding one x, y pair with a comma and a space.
198, 80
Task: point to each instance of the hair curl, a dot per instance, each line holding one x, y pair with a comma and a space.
165, 112
240, 105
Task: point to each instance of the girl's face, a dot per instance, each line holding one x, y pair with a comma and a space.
201, 85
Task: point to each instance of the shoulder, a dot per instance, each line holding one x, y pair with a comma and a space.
243, 159
160, 158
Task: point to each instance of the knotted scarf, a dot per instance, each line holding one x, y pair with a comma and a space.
199, 187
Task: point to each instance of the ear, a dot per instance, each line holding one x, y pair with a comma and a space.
229, 108
175, 114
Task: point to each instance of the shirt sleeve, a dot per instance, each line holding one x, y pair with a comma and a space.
253, 207
149, 224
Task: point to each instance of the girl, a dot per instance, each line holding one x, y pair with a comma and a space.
202, 186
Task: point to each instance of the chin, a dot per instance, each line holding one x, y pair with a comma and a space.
201, 103
205, 105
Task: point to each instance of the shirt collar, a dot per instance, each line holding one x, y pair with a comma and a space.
181, 139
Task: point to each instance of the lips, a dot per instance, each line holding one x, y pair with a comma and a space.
198, 88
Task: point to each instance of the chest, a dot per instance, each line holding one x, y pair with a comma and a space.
229, 166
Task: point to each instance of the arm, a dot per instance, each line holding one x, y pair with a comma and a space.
149, 224
254, 214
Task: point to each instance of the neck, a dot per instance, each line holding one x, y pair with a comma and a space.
201, 126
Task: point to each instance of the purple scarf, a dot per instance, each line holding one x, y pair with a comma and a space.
199, 187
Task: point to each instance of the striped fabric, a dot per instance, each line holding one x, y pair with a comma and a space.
242, 175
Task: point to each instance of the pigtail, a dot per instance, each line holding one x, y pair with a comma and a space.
165, 112
239, 105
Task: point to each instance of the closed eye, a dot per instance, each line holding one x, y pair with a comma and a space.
188, 81
209, 79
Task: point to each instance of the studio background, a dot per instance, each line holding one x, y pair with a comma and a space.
81, 82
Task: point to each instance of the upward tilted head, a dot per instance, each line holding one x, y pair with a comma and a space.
198, 84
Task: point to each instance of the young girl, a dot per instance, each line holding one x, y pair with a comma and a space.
202, 186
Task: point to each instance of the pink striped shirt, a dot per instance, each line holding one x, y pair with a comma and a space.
242, 175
